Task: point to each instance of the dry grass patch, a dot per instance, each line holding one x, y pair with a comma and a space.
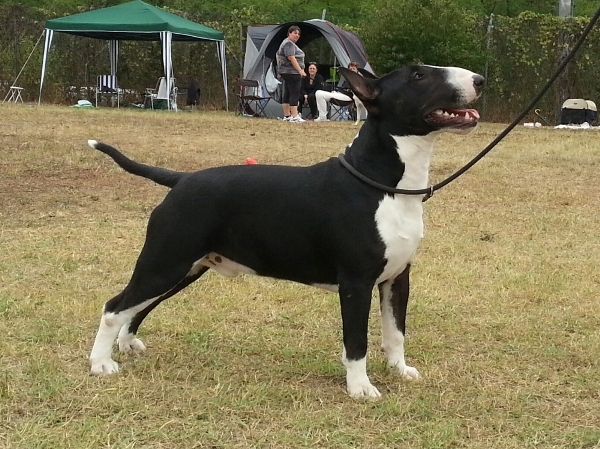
504, 322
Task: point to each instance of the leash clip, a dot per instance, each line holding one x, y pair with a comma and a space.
428, 194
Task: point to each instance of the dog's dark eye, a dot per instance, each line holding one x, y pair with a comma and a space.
418, 75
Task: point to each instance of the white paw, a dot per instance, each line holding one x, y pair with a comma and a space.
132, 346
407, 372
363, 390
104, 367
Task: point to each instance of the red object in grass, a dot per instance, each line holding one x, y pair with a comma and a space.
250, 161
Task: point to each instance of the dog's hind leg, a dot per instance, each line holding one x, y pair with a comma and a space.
355, 299
110, 324
394, 300
123, 314
168, 263
127, 341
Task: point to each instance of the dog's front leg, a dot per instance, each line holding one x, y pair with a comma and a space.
394, 300
355, 299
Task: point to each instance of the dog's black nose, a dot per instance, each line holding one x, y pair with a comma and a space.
478, 81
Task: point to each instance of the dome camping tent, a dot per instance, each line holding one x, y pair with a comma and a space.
262, 44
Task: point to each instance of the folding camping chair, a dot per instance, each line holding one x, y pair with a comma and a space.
340, 110
161, 96
252, 102
107, 85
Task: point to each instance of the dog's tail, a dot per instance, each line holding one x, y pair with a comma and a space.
162, 176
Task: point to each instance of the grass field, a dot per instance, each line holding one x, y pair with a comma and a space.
503, 323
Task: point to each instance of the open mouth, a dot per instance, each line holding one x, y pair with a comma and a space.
453, 118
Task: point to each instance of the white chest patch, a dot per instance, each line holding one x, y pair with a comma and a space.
400, 225
399, 218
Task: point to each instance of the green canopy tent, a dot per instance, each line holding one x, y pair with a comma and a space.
134, 21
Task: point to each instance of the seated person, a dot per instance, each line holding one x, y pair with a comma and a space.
310, 85
342, 93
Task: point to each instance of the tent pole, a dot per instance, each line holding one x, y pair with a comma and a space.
113, 51
221, 54
47, 44
166, 37
241, 48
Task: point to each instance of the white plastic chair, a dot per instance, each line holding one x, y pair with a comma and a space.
161, 92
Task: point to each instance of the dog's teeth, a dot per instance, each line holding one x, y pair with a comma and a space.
467, 116
446, 113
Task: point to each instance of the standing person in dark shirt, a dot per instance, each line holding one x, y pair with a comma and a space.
310, 85
290, 67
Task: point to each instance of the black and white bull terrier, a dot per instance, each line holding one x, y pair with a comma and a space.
317, 225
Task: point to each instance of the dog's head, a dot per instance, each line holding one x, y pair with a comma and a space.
419, 99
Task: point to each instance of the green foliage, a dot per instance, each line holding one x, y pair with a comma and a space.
585, 7
276, 11
422, 31
525, 52
337, 11
512, 8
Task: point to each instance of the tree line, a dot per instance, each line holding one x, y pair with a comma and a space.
516, 43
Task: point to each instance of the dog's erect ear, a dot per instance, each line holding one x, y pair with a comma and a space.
364, 88
367, 74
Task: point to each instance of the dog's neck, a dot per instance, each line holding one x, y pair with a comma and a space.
415, 152
395, 161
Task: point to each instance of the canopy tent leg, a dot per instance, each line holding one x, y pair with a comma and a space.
47, 44
113, 50
166, 38
221, 54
